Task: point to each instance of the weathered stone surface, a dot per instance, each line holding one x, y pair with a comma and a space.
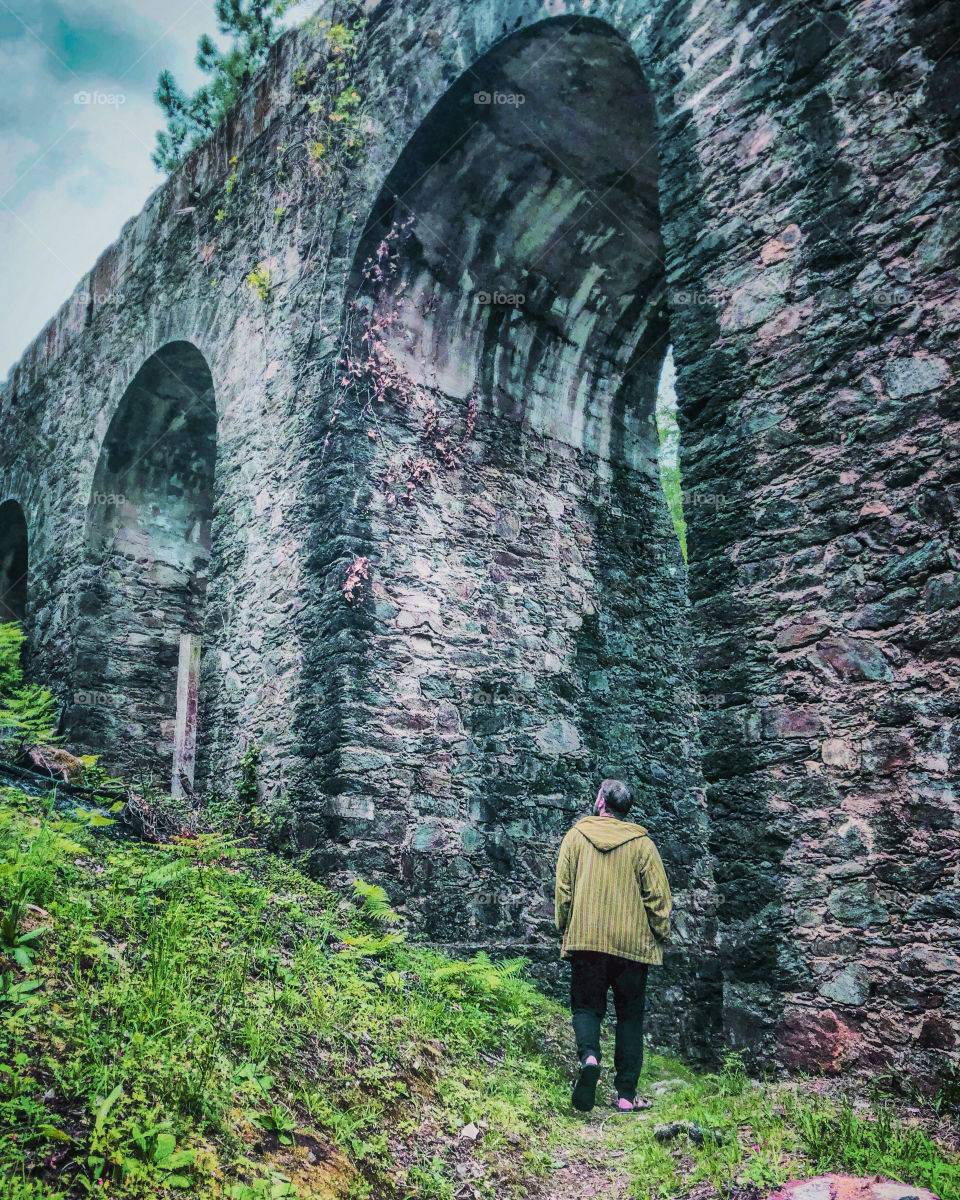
849, 986
916, 375
818, 1041
706, 175
849, 1187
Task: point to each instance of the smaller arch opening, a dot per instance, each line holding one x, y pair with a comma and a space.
14, 562
148, 544
668, 429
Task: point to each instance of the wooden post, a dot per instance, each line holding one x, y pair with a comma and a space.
185, 730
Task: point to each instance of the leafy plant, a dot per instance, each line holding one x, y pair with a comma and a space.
254, 1074
21, 945
13, 992
237, 810
259, 280
278, 1122
248, 786
482, 981
371, 944
276, 1187
127, 1151
342, 38
375, 903
96, 777
947, 1096
28, 712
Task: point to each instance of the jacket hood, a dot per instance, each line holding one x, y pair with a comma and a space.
606, 833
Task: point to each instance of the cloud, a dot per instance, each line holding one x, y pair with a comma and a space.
77, 125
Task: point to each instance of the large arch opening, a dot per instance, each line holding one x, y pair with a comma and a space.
148, 549
14, 562
508, 328
530, 246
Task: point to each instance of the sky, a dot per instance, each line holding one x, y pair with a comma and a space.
77, 123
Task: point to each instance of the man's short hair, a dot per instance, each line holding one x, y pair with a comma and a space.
617, 795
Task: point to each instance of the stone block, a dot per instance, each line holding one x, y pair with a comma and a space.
915, 375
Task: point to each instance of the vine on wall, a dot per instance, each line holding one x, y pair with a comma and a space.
372, 377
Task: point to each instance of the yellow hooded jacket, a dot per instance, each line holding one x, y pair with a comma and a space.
612, 893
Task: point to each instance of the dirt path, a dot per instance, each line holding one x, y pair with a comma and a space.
590, 1163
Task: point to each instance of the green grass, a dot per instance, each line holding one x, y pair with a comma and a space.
835, 1136
200, 1019
761, 1134
202, 1013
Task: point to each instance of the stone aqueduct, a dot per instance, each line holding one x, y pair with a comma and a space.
768, 187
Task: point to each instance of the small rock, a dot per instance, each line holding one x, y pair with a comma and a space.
696, 1133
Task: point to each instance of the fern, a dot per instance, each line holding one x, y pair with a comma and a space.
375, 903
28, 712
370, 944
494, 985
11, 639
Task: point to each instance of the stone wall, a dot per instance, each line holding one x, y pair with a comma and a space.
770, 188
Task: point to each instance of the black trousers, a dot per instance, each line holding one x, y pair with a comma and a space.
592, 974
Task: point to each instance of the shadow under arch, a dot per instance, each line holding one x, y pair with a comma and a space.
509, 290
147, 562
14, 562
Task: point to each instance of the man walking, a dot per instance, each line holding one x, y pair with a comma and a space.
613, 909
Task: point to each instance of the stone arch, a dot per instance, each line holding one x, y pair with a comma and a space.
147, 548
14, 562
536, 233
520, 273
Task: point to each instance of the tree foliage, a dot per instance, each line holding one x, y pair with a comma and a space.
250, 27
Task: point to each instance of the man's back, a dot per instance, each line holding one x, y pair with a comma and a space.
613, 909
612, 893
